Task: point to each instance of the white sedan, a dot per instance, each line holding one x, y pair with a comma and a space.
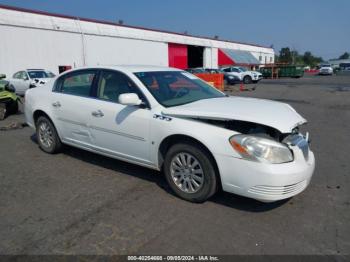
170, 120
326, 70
29, 78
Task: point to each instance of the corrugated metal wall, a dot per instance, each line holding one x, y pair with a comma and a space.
111, 51
22, 48
41, 40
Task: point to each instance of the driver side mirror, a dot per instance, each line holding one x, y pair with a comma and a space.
129, 99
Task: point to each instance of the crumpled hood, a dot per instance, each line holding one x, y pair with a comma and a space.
40, 81
278, 115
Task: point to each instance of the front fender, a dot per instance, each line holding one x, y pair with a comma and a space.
214, 138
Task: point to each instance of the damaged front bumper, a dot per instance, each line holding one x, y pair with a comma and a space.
269, 182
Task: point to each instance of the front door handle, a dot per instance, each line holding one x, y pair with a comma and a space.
56, 104
97, 113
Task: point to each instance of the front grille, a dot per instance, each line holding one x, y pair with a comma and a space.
279, 190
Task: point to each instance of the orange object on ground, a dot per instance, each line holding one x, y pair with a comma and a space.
217, 79
241, 87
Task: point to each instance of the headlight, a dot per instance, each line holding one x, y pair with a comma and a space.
261, 149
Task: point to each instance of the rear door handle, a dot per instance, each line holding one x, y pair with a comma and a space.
56, 104
97, 113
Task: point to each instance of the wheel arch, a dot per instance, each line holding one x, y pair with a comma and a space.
171, 140
38, 113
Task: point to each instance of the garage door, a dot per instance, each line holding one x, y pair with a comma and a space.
178, 56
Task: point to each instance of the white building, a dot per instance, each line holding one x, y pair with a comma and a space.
35, 39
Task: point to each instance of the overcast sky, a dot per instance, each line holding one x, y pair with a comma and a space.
322, 27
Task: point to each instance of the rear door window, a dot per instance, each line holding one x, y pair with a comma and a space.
17, 75
78, 83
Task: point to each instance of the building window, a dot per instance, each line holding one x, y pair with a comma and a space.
260, 58
270, 59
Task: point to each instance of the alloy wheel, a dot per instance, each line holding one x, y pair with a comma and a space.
187, 173
45, 135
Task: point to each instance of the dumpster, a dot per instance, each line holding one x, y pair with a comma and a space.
291, 71
277, 71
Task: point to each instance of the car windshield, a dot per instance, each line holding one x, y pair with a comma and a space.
40, 74
242, 69
325, 65
173, 88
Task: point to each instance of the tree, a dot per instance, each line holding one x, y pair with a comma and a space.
285, 55
308, 58
344, 56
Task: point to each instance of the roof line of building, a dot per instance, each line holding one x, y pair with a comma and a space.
39, 12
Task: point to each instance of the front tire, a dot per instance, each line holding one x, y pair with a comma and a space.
190, 172
46, 134
247, 80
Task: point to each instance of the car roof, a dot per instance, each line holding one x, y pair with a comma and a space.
131, 68
35, 69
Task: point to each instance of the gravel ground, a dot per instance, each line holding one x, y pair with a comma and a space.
82, 203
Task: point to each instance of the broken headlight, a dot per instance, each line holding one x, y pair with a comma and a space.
261, 149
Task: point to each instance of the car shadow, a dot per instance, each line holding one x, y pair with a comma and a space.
124, 113
153, 176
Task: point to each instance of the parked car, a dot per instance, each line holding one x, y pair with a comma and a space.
198, 70
213, 70
170, 120
344, 66
29, 78
326, 69
229, 79
243, 74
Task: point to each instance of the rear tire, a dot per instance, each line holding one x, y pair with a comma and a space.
46, 134
195, 179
